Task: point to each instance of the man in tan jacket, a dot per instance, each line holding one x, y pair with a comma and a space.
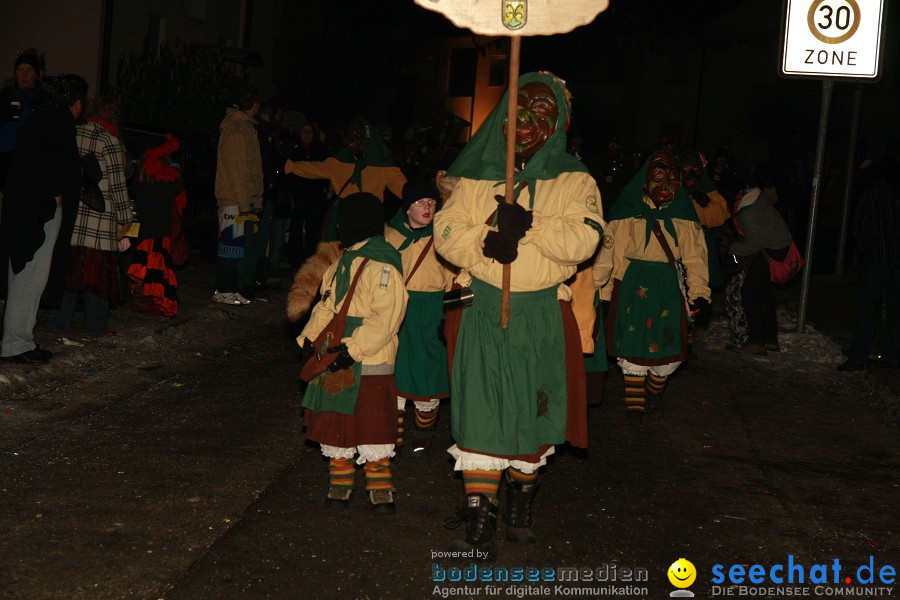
239, 191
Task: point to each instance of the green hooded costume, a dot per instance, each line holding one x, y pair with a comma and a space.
647, 320
485, 156
511, 394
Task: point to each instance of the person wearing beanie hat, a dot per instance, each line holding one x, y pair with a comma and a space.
421, 367
16, 101
350, 409
519, 391
39, 209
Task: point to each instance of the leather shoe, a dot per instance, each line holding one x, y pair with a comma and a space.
851, 366
32, 357
45, 353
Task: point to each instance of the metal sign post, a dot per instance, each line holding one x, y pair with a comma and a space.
828, 40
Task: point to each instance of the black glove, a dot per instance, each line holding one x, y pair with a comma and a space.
700, 198
501, 247
343, 360
512, 219
306, 351
701, 311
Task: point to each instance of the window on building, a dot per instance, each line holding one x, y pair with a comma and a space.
499, 70
463, 68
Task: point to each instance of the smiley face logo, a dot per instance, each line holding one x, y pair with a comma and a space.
682, 573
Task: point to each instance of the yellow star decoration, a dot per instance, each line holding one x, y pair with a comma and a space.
664, 313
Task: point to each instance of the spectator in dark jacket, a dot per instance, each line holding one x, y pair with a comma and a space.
40, 202
876, 227
16, 101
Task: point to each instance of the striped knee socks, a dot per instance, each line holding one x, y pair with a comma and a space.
656, 385
378, 475
341, 473
482, 481
634, 392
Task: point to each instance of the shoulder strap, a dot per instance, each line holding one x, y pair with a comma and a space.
420, 259
346, 305
657, 231
343, 187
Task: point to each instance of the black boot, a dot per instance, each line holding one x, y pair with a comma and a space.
517, 513
480, 516
655, 407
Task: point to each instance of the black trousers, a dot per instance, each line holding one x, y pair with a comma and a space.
759, 303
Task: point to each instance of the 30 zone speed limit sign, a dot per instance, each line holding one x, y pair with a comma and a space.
833, 38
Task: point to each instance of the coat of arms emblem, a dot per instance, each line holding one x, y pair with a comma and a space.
515, 13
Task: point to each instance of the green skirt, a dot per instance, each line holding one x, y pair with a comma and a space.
336, 392
509, 385
649, 316
421, 367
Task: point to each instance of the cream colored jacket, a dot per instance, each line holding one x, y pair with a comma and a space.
624, 239
433, 275
380, 299
564, 231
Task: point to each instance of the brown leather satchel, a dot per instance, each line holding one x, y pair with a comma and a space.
330, 336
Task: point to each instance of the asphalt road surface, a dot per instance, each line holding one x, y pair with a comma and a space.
169, 462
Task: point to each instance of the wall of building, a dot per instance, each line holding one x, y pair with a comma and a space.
69, 33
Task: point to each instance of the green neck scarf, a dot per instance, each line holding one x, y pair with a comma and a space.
484, 157
377, 249
374, 154
411, 235
631, 204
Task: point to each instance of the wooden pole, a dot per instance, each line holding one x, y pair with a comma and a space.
511, 109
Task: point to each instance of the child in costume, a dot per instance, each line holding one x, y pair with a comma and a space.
421, 368
351, 408
159, 201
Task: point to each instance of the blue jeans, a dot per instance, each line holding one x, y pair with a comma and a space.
879, 282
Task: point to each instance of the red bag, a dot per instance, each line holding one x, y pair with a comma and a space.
330, 336
782, 271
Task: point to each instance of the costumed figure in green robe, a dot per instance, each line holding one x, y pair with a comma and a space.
519, 391
364, 164
653, 269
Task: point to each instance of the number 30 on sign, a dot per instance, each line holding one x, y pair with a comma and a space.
832, 38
